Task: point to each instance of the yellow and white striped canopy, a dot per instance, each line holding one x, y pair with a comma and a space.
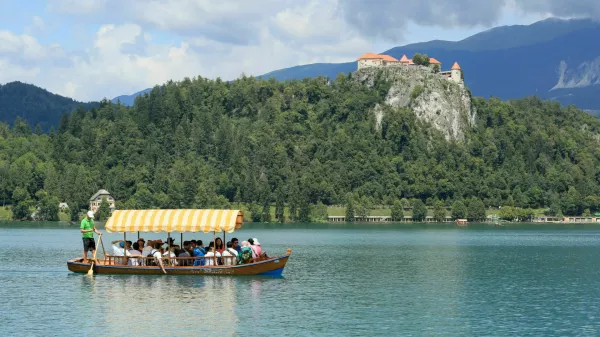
175, 220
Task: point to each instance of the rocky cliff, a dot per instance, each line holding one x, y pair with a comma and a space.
444, 104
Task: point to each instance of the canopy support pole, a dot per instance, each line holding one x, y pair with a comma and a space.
124, 248
138, 235
214, 248
169, 247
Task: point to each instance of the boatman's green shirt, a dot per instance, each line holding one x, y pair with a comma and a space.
87, 224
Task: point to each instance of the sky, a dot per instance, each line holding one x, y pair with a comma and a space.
92, 49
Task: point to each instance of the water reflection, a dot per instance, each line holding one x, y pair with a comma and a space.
202, 304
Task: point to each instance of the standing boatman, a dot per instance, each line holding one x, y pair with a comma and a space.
88, 228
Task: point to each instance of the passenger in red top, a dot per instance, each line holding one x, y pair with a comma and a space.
219, 247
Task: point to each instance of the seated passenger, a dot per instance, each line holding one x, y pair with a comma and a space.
120, 251
198, 253
219, 247
212, 256
245, 254
236, 245
170, 252
157, 256
133, 261
229, 255
185, 254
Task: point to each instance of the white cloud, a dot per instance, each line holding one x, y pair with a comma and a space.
140, 43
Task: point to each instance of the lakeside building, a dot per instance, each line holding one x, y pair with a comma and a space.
96, 199
382, 218
381, 60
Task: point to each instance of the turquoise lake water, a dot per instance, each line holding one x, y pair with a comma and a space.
359, 280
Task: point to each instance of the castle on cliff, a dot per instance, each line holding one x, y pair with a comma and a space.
381, 60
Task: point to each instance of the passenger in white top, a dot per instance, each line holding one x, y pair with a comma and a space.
211, 255
158, 256
120, 251
229, 255
133, 261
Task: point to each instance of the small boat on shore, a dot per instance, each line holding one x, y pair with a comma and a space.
185, 220
462, 222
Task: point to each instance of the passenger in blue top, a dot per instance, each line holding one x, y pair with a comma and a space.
198, 252
236, 245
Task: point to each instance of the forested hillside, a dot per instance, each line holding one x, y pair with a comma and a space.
204, 143
35, 105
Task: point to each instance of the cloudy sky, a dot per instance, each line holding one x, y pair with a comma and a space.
90, 49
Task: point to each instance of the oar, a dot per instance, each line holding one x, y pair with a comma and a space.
91, 271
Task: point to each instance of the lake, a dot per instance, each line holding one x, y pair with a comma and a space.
341, 280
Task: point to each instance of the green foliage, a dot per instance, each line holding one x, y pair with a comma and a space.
587, 212
47, 207
205, 143
476, 210
320, 212
436, 69
515, 213
21, 210
103, 211
419, 210
397, 211
459, 210
416, 92
280, 206
349, 211
439, 211
255, 214
421, 59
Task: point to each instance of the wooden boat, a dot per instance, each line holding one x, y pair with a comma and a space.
462, 222
177, 221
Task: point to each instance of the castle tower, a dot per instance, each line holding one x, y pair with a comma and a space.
456, 73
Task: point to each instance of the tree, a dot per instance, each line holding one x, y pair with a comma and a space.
439, 211
265, 215
255, 214
23, 203
436, 68
103, 211
397, 211
587, 213
459, 210
279, 205
320, 212
573, 203
349, 211
421, 59
419, 210
476, 210
47, 207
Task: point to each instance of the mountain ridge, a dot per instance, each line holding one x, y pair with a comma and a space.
35, 105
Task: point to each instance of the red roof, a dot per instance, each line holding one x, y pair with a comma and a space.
388, 58
434, 61
404, 59
455, 66
370, 56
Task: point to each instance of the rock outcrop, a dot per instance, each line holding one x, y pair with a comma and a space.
443, 103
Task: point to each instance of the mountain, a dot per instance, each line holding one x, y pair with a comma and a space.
129, 99
554, 59
35, 105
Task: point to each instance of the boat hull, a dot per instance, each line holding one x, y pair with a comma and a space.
269, 267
